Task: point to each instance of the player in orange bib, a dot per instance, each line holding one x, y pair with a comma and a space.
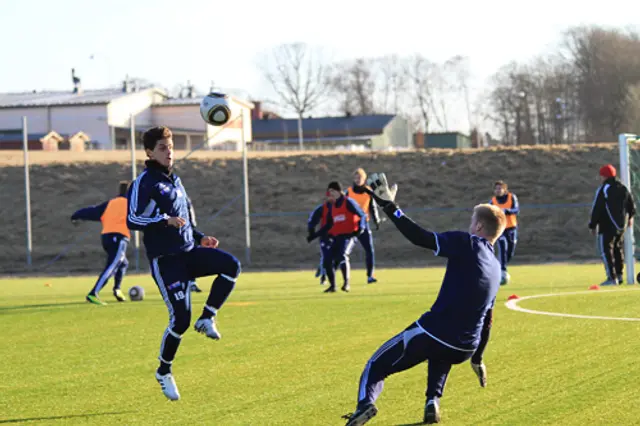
115, 238
508, 202
358, 193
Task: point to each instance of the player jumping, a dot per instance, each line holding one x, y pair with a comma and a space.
115, 238
159, 206
449, 333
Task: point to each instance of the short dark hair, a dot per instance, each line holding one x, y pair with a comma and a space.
123, 187
151, 137
501, 183
335, 185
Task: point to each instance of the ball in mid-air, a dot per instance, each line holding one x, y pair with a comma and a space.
215, 109
136, 293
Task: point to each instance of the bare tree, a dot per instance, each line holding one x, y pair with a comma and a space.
393, 83
607, 65
298, 74
460, 70
355, 83
420, 73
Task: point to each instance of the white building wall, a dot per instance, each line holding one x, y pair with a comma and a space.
138, 103
178, 116
11, 119
398, 133
90, 119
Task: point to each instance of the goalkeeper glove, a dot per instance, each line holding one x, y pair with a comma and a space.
381, 192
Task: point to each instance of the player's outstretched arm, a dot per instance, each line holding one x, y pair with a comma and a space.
411, 230
93, 213
385, 196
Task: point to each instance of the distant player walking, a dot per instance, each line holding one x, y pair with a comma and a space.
449, 333
508, 202
115, 238
612, 211
358, 193
159, 206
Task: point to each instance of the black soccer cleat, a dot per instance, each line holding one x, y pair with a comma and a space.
346, 287
432, 412
361, 416
331, 289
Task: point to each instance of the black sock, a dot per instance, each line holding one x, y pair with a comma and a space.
164, 368
170, 344
220, 291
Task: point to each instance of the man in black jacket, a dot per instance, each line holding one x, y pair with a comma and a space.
612, 211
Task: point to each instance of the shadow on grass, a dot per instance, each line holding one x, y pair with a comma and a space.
70, 416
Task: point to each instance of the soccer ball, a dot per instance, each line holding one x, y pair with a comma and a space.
215, 109
136, 293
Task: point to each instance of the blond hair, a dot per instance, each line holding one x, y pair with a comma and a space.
493, 220
360, 171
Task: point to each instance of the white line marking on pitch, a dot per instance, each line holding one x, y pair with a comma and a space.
513, 305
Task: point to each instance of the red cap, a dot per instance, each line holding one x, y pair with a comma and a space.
608, 171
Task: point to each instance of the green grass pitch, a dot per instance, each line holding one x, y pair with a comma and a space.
291, 355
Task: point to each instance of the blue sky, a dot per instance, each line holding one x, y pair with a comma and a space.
170, 42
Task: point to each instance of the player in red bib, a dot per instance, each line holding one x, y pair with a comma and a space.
347, 221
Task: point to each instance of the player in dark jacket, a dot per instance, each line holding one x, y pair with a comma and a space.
612, 211
159, 206
115, 238
449, 333
347, 222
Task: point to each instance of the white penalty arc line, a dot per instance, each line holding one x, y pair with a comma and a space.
513, 305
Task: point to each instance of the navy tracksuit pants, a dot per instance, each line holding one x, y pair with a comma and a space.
115, 245
403, 351
335, 254
507, 243
174, 275
366, 240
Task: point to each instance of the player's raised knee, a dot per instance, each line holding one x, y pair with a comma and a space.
232, 269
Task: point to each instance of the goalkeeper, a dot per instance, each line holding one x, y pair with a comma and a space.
449, 333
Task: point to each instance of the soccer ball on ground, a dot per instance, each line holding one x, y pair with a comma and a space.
215, 109
136, 293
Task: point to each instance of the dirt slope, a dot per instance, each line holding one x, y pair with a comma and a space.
442, 179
